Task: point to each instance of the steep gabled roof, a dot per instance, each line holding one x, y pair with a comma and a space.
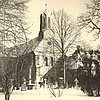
24, 48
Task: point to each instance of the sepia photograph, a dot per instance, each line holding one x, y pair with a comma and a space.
49, 49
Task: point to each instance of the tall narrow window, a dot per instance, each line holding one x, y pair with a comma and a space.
51, 61
46, 60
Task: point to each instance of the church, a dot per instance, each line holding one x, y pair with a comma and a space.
37, 59
39, 54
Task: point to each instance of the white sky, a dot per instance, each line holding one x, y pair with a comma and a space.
72, 7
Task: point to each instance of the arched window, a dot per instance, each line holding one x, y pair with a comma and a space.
46, 60
51, 61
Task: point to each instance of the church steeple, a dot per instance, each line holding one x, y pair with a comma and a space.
46, 9
44, 21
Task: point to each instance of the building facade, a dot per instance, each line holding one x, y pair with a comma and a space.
44, 55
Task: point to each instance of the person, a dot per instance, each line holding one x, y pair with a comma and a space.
40, 83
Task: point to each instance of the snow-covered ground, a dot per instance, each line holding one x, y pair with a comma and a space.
44, 94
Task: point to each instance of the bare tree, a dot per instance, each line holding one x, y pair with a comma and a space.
12, 35
6, 76
91, 19
85, 45
64, 35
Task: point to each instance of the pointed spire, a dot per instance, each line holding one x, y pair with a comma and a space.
45, 11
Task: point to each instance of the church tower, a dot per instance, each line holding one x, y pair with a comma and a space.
44, 20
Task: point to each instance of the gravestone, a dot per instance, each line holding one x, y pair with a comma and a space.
23, 85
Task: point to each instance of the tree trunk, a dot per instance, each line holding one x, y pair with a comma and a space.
64, 74
98, 91
7, 96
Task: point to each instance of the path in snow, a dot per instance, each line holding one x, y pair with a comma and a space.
44, 94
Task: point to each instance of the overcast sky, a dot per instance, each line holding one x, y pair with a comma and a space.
72, 7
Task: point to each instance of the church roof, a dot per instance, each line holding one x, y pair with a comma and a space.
24, 48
